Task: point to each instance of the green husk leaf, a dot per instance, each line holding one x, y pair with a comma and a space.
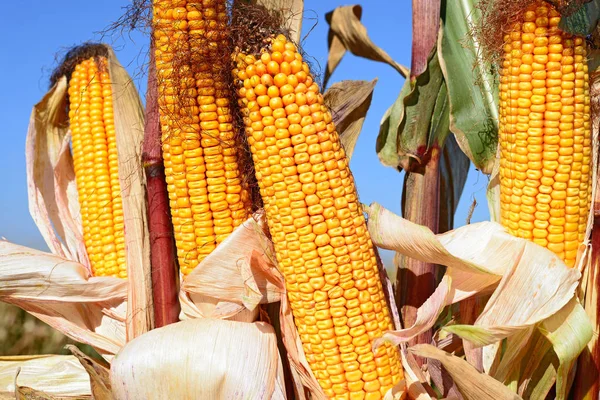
569, 331
472, 87
583, 21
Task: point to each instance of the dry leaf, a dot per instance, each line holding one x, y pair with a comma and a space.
346, 32
201, 359
59, 376
63, 294
129, 129
99, 374
245, 260
59, 288
349, 102
51, 178
237, 272
472, 384
533, 283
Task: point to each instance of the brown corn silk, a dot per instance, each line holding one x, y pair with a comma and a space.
95, 161
319, 232
545, 135
206, 193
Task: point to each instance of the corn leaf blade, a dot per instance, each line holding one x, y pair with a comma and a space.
472, 86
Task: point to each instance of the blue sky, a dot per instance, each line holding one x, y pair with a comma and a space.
35, 43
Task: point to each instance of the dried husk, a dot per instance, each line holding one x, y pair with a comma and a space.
60, 376
59, 288
201, 359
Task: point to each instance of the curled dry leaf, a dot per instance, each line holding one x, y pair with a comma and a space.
202, 359
58, 376
238, 276
346, 32
472, 384
59, 288
63, 294
245, 261
99, 374
531, 283
129, 129
349, 102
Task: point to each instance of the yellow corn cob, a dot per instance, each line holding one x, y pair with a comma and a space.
95, 160
545, 137
200, 156
320, 235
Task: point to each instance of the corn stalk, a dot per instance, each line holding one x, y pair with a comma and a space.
164, 269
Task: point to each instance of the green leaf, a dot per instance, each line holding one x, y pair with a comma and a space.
416, 120
583, 21
386, 145
569, 331
472, 84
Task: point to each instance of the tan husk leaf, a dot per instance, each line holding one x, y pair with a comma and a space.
59, 376
472, 384
246, 261
51, 178
59, 288
346, 32
533, 283
201, 359
99, 374
350, 101
63, 294
129, 128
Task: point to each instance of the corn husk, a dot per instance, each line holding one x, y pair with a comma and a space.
472, 384
532, 292
201, 359
59, 288
60, 376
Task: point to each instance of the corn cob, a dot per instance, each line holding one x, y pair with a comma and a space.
319, 232
96, 166
545, 136
206, 196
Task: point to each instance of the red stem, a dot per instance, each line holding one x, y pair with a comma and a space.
587, 379
417, 280
164, 268
426, 22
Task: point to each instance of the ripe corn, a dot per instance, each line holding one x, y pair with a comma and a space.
96, 166
319, 232
545, 136
207, 199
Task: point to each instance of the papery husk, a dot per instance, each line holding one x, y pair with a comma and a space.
472, 384
531, 283
88, 309
63, 294
234, 279
129, 128
200, 359
60, 376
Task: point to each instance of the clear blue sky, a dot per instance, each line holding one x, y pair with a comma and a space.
32, 46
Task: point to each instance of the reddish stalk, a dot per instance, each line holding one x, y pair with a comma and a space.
164, 267
417, 280
426, 22
587, 379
